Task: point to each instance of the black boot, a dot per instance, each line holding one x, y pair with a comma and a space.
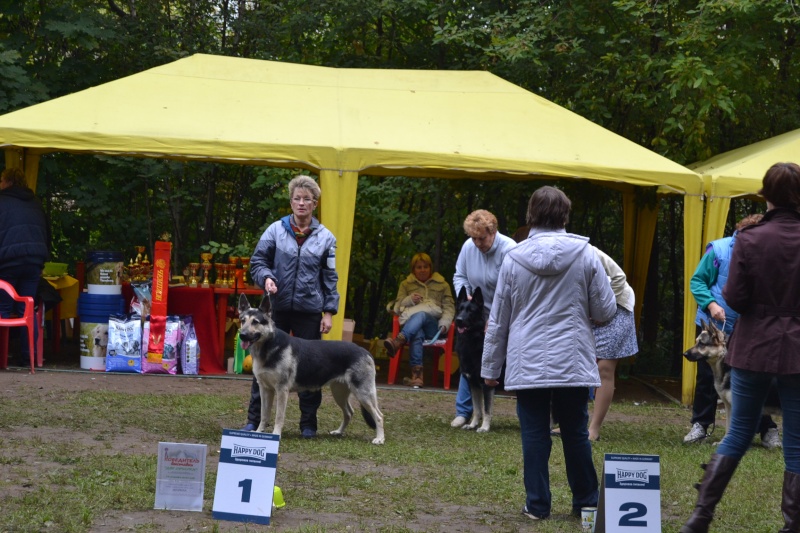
790, 502
719, 472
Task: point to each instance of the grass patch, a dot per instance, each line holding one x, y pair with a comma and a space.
72, 460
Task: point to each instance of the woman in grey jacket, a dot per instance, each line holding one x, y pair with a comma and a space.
551, 288
295, 263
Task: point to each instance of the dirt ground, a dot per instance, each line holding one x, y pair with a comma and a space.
45, 382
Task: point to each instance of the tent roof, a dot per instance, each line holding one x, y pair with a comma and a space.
739, 172
381, 122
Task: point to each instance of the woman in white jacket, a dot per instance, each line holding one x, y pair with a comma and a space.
550, 290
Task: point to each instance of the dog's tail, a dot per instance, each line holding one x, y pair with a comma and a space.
368, 418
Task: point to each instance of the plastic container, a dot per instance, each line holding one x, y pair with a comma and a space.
93, 311
104, 272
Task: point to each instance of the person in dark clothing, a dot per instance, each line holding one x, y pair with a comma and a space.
23, 246
295, 262
763, 286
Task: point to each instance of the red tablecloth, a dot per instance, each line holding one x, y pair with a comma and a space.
199, 303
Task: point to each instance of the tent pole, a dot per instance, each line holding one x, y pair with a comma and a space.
336, 211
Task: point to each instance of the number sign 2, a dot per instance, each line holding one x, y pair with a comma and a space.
630, 495
246, 476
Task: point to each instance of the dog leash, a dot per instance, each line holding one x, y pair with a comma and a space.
434, 339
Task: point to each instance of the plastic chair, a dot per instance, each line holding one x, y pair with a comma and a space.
445, 346
25, 320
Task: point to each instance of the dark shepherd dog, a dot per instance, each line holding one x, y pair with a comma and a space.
470, 326
282, 363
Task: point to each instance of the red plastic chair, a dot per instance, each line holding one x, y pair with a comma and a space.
25, 320
445, 346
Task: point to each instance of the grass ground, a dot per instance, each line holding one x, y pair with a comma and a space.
79, 455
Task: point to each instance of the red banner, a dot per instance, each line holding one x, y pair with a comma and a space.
158, 309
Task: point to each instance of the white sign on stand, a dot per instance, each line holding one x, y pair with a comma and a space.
246, 476
181, 476
630, 494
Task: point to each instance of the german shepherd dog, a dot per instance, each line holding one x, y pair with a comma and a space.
712, 346
282, 363
470, 324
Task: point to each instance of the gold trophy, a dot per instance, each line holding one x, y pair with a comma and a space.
245, 267
193, 267
206, 257
222, 280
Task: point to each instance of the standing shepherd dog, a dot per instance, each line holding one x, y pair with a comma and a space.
712, 346
470, 325
282, 363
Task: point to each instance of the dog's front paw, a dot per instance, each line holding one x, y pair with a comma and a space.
337, 433
469, 427
483, 429
377, 440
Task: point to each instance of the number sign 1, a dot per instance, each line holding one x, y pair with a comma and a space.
630, 494
246, 476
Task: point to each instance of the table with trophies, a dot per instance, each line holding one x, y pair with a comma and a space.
231, 279
207, 302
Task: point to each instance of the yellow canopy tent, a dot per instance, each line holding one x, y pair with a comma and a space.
739, 173
340, 123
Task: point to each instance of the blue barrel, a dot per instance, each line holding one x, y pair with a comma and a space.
93, 311
104, 272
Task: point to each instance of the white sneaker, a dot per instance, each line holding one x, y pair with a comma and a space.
696, 434
458, 421
771, 439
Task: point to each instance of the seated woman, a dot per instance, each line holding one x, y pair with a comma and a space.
425, 305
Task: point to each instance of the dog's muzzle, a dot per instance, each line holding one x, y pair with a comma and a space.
247, 340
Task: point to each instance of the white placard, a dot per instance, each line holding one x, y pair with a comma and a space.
246, 476
630, 494
181, 476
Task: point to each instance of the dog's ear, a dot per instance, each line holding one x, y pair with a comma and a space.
477, 296
244, 303
462, 294
266, 305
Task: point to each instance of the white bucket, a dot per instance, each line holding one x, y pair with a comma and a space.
93, 345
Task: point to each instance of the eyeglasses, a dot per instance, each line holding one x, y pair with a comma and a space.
299, 200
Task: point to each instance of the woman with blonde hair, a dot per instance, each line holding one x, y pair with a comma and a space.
425, 306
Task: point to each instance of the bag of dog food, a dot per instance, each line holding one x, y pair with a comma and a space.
123, 353
166, 362
189, 348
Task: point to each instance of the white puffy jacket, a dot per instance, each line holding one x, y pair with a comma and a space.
551, 287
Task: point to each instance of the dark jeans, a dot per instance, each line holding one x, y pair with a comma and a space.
750, 390
302, 326
570, 404
25, 280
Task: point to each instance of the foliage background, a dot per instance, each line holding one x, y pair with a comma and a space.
687, 79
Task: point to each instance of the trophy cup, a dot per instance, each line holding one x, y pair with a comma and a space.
206, 257
222, 280
245, 267
193, 267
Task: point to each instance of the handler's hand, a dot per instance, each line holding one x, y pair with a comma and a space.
416, 298
443, 331
325, 325
270, 286
716, 311
491, 382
